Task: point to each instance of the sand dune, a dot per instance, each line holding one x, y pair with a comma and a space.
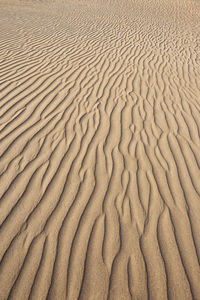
100, 150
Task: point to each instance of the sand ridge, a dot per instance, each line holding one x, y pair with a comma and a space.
99, 150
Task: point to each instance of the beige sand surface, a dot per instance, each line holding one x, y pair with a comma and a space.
100, 149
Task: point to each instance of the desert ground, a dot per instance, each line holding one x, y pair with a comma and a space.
100, 150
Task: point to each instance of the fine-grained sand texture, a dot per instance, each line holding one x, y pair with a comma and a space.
100, 150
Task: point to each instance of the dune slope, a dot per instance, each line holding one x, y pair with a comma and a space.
100, 150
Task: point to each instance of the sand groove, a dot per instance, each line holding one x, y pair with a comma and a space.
99, 150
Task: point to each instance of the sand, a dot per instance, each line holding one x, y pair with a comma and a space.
100, 150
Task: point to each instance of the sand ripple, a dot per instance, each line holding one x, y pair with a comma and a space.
100, 150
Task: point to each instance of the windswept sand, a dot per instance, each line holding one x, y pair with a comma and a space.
100, 150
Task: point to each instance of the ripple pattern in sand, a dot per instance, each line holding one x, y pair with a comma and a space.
99, 150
